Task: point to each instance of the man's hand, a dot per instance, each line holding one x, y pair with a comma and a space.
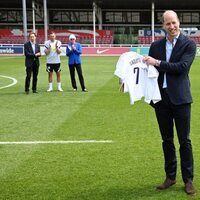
38, 54
151, 61
58, 50
47, 50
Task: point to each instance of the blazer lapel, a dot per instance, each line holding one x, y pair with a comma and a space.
36, 48
30, 47
163, 50
162, 56
176, 47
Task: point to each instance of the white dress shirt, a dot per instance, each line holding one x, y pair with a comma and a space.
169, 47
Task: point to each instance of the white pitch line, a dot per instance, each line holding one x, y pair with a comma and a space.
13, 83
56, 142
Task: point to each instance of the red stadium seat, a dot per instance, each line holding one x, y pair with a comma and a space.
15, 36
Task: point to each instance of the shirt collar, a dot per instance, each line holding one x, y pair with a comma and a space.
174, 40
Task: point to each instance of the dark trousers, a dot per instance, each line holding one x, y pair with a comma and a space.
167, 114
80, 75
34, 69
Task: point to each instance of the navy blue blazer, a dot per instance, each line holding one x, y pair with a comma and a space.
30, 56
177, 69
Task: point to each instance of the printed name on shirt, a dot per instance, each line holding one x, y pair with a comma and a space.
135, 61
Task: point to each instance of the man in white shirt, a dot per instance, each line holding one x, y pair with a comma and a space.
52, 51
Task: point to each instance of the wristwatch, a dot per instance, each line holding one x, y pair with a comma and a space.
157, 63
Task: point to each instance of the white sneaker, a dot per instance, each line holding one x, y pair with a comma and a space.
74, 89
85, 90
50, 87
60, 89
50, 90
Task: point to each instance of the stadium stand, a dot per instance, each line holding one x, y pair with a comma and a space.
148, 39
123, 18
145, 36
15, 36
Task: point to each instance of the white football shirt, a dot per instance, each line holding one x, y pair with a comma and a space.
53, 57
139, 79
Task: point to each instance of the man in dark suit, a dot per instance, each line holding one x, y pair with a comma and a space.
173, 57
32, 54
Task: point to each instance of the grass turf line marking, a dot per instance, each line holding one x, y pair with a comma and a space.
56, 142
13, 83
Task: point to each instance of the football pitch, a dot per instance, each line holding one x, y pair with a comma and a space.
84, 146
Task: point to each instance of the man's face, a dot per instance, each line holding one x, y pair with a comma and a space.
32, 38
52, 37
171, 24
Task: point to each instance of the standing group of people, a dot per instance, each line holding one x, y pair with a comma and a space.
53, 64
172, 56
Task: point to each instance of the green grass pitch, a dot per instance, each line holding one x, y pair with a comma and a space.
127, 169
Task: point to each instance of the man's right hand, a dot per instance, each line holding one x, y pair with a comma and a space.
38, 54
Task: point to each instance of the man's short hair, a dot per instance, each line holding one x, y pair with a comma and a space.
31, 33
52, 32
171, 12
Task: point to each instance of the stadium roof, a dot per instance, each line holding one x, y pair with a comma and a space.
108, 4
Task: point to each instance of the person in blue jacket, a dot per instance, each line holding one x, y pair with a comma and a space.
74, 51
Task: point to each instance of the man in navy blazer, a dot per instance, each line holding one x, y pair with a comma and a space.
173, 57
32, 54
